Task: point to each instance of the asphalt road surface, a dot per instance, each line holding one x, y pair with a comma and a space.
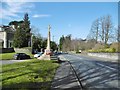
93, 73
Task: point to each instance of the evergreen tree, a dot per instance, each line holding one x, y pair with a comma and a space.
53, 45
65, 43
27, 28
61, 42
19, 37
37, 42
16, 23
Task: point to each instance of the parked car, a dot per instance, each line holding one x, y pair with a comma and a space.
57, 53
19, 56
38, 54
79, 51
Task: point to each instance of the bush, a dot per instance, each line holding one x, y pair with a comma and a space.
98, 46
116, 46
108, 50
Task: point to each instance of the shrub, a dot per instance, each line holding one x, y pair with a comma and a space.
108, 50
98, 46
116, 46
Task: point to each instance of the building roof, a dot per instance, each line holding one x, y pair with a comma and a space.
7, 28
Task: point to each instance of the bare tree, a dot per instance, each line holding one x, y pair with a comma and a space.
102, 31
35, 31
94, 32
118, 34
66, 43
76, 44
108, 29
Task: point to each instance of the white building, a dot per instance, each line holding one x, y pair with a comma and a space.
6, 36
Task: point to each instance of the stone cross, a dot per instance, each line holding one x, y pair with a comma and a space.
48, 41
47, 54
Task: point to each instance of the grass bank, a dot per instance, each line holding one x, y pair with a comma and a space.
9, 56
34, 74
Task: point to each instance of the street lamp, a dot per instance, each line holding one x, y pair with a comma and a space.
31, 42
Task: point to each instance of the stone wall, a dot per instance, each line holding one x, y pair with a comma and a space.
113, 56
6, 50
23, 50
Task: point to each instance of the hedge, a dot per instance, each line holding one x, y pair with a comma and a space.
108, 50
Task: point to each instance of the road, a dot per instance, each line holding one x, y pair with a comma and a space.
94, 73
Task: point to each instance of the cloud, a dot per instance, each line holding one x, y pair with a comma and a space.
40, 15
12, 10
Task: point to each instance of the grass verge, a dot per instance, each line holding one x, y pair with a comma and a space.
34, 74
9, 56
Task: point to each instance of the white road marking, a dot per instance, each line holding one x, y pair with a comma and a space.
106, 66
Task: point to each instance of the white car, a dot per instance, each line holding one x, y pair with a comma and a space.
38, 54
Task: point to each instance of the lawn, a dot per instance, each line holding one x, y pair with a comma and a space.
9, 56
30, 75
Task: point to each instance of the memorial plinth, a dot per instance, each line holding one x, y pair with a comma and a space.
47, 54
